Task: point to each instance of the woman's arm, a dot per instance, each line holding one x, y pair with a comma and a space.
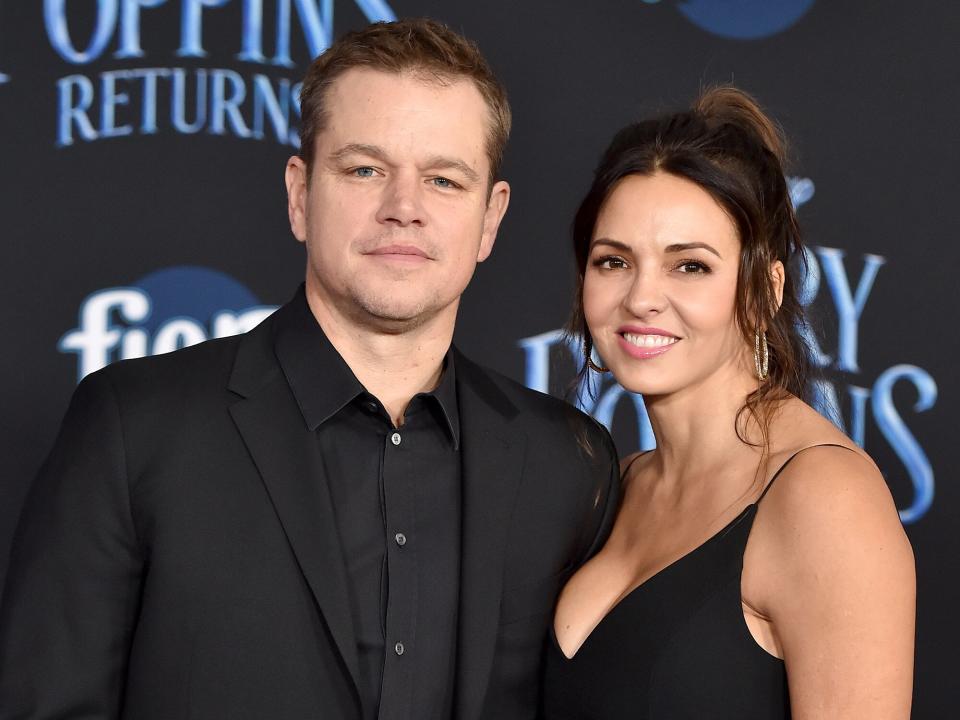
836, 578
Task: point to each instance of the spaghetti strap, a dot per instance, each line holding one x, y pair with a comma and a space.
789, 459
630, 464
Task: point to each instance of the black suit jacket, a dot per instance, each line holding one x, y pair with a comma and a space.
178, 557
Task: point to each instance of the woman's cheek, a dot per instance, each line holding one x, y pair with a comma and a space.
599, 300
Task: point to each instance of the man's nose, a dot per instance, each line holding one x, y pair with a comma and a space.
402, 201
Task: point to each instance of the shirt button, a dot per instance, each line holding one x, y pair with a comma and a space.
395, 438
398, 648
401, 539
371, 406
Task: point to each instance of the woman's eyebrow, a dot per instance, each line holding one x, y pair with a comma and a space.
615, 244
683, 247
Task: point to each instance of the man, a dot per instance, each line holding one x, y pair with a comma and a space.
336, 515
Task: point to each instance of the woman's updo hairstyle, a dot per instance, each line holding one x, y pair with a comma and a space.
733, 151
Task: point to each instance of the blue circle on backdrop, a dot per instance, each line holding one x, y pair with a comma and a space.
193, 292
744, 19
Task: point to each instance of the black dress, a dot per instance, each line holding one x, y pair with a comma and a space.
675, 648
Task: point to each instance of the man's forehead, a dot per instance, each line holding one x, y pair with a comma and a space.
365, 94
406, 112
357, 79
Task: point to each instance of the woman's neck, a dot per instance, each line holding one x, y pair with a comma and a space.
697, 428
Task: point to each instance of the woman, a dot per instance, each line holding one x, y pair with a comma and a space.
757, 567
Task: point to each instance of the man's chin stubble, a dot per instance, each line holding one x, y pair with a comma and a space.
390, 317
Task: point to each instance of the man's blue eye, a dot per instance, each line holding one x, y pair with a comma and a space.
442, 182
364, 172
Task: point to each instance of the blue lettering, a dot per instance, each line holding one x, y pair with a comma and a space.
96, 335
807, 289
295, 101
265, 99
71, 114
252, 42
858, 413
176, 333
607, 404
849, 306
178, 109
317, 24
825, 401
223, 106
55, 19
536, 351
191, 26
148, 125
109, 330
801, 191
109, 99
902, 441
130, 27
376, 10
226, 322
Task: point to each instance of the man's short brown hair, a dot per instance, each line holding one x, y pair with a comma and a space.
420, 46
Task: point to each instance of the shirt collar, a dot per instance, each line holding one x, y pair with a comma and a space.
323, 383
446, 395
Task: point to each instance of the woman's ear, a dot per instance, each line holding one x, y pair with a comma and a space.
778, 278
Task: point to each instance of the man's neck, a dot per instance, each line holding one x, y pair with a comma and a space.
392, 365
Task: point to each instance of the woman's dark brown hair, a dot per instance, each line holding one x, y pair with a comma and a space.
732, 150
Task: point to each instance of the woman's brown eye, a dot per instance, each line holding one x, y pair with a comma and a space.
694, 267
608, 262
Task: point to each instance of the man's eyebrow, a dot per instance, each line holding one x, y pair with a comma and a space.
373, 151
440, 162
683, 247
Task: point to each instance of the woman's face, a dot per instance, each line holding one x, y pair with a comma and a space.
659, 290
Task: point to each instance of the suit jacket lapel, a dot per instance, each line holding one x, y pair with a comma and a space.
288, 458
492, 464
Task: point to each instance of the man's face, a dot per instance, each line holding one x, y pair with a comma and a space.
398, 210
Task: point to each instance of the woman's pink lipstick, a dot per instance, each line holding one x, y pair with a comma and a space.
651, 342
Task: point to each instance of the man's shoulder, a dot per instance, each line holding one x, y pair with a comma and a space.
544, 414
197, 365
185, 380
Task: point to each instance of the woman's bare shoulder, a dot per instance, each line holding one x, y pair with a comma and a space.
797, 427
829, 477
828, 562
829, 516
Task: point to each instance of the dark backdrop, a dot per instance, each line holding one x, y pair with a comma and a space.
143, 145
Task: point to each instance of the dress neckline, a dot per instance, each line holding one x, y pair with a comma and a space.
690, 553
635, 590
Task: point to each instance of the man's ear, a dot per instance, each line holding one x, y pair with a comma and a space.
496, 209
296, 177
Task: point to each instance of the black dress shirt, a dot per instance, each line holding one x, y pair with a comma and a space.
396, 496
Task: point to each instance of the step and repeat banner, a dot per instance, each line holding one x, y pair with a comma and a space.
143, 205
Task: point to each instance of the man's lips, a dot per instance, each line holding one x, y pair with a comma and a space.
400, 252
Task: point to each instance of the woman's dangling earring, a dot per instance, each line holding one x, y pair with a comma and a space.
761, 354
588, 352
